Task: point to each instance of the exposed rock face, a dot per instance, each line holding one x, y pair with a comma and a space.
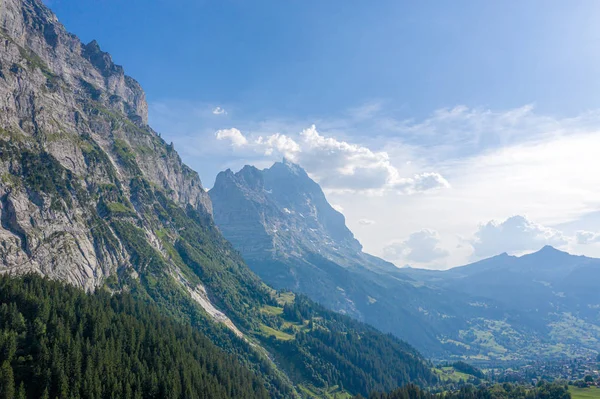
73, 133
89, 194
281, 222
281, 212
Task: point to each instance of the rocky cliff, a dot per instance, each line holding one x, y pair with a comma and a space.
502, 309
280, 212
280, 221
73, 133
90, 195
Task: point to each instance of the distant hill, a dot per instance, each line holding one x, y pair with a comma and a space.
503, 308
551, 299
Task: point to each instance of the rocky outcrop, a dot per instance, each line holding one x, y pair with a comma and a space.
280, 212
280, 221
73, 136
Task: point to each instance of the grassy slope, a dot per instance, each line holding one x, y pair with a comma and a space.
585, 393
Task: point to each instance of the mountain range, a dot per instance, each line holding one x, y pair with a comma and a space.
249, 277
504, 308
92, 197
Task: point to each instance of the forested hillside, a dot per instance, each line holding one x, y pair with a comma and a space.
58, 342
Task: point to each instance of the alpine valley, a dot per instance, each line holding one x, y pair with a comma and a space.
122, 277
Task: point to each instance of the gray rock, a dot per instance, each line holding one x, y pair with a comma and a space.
66, 102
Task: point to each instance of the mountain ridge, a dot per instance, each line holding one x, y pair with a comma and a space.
503, 308
299, 254
90, 195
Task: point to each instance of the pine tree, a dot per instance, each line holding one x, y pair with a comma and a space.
7, 381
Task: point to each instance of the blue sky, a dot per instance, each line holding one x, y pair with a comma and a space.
437, 121
318, 58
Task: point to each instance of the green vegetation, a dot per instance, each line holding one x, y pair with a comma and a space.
505, 391
271, 332
126, 156
118, 209
58, 342
449, 374
334, 392
584, 393
468, 369
272, 310
457, 372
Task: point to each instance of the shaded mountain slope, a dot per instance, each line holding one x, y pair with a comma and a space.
281, 222
500, 309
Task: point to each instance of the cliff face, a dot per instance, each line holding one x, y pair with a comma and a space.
90, 195
281, 212
280, 221
73, 133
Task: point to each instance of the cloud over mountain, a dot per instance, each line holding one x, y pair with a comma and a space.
338, 165
515, 234
421, 247
587, 237
236, 137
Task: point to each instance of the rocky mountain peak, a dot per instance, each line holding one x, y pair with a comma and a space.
279, 210
252, 177
45, 43
101, 60
291, 167
75, 150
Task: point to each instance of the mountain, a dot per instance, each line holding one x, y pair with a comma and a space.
547, 281
554, 292
294, 217
91, 196
500, 309
280, 221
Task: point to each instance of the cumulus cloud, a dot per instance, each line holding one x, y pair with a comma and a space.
500, 162
421, 183
421, 247
236, 137
279, 143
587, 237
515, 234
338, 165
366, 222
219, 111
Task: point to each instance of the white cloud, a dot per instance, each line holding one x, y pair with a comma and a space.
279, 143
587, 237
219, 111
514, 235
236, 137
338, 165
421, 183
366, 222
421, 247
500, 163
